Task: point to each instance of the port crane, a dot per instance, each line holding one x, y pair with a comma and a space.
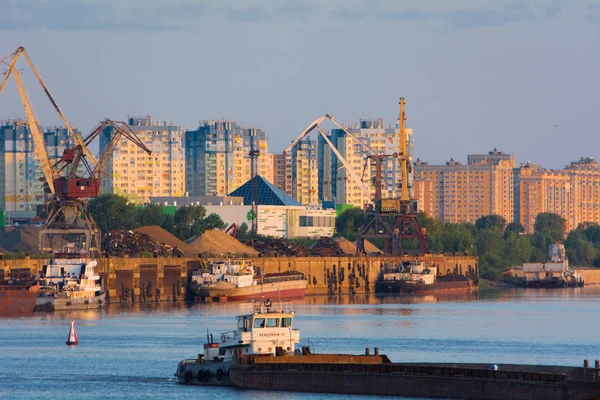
75, 177
390, 219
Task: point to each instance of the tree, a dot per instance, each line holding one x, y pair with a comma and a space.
580, 250
242, 231
213, 221
152, 214
545, 222
188, 221
111, 211
491, 222
349, 223
514, 227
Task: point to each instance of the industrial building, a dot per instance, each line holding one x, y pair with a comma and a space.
21, 187
217, 157
138, 176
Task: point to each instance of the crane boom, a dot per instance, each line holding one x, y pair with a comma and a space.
404, 194
15, 56
39, 145
348, 167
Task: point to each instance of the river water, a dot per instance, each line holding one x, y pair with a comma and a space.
131, 352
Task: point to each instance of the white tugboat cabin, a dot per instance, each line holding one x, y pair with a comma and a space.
262, 328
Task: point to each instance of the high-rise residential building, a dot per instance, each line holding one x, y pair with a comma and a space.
138, 176
368, 137
282, 165
462, 193
305, 172
21, 177
217, 157
573, 193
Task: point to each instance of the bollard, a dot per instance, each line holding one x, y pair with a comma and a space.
376, 351
597, 364
585, 363
367, 351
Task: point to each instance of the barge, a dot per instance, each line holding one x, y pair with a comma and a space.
260, 354
240, 280
418, 277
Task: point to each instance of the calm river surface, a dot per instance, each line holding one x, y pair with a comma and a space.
132, 352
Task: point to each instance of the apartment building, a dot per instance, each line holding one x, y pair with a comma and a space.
573, 193
282, 172
368, 137
217, 157
138, 176
305, 172
455, 192
21, 186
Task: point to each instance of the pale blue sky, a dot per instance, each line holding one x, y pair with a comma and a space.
475, 74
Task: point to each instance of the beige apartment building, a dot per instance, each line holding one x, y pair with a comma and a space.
305, 172
138, 176
462, 193
573, 193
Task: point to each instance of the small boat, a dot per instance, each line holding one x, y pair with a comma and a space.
263, 328
241, 280
419, 277
72, 339
69, 284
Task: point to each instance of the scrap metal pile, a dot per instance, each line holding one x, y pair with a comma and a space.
134, 244
326, 246
276, 247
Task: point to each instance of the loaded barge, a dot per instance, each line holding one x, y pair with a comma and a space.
261, 355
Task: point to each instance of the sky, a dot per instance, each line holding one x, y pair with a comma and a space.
520, 76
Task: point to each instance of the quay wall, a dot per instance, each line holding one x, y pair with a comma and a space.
166, 278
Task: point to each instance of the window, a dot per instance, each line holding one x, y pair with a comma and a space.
272, 322
259, 322
286, 322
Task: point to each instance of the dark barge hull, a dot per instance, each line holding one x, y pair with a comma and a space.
399, 286
464, 381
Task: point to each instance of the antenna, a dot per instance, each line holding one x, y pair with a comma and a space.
207, 334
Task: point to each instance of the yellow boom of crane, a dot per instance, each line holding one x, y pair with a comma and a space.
38, 138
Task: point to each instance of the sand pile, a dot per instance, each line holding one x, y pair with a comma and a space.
161, 236
219, 243
15, 239
349, 247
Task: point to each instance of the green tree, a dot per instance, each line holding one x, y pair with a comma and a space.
242, 231
189, 221
515, 228
349, 223
491, 222
580, 250
111, 211
545, 222
213, 221
152, 214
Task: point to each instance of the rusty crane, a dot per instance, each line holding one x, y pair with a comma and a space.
74, 178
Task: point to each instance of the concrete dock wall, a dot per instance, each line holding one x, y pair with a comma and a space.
166, 278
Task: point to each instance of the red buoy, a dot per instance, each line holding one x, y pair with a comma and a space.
72, 340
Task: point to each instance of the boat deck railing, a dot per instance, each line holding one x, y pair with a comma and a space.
266, 306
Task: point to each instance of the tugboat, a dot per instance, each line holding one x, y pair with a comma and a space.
69, 284
263, 329
241, 280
